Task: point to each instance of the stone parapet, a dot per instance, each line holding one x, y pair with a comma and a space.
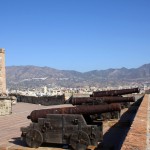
136, 138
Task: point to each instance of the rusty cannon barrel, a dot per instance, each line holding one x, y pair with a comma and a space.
100, 100
115, 92
81, 109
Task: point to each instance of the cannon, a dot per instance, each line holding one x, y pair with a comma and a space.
100, 100
81, 109
115, 92
123, 101
66, 125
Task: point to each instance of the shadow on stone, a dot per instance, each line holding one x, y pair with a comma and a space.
115, 136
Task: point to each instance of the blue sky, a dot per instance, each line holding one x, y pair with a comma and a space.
79, 35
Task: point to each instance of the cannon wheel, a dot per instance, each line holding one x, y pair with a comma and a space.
34, 138
79, 140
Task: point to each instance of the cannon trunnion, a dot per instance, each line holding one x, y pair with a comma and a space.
69, 129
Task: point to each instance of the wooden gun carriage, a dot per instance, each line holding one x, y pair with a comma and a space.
69, 125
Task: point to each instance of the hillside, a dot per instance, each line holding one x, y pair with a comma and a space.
33, 76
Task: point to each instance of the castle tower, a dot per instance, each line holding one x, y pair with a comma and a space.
2, 72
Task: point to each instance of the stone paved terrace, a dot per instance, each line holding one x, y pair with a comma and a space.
10, 126
134, 138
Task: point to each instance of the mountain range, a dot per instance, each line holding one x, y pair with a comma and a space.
34, 77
